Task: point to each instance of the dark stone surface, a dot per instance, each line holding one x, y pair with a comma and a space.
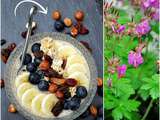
13, 26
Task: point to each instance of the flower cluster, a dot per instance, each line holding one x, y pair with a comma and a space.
143, 28
135, 58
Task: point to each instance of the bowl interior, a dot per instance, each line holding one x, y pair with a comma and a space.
14, 63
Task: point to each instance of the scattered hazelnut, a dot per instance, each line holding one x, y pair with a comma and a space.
74, 31
56, 15
93, 110
2, 83
12, 108
99, 82
79, 15
67, 22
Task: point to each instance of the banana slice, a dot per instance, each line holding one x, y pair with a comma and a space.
48, 103
65, 51
22, 88
76, 58
28, 96
46, 44
82, 79
76, 67
36, 104
22, 78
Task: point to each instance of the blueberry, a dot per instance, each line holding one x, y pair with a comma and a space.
31, 67
43, 85
66, 105
36, 47
74, 103
40, 73
59, 25
37, 61
34, 78
27, 59
81, 92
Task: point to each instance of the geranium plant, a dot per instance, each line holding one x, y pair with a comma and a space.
131, 71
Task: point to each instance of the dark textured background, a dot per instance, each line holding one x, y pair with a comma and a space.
13, 26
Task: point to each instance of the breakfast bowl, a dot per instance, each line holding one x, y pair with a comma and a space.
72, 67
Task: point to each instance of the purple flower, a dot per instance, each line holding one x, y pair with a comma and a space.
121, 70
143, 28
120, 29
135, 58
150, 3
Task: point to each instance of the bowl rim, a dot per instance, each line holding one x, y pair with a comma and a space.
56, 36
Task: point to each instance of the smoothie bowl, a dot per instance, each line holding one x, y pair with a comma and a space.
58, 80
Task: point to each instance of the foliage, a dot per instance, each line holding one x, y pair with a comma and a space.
120, 96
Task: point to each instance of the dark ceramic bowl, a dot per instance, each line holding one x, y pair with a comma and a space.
13, 65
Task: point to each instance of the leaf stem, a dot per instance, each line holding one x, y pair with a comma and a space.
147, 111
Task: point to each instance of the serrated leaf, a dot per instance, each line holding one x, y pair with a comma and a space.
117, 115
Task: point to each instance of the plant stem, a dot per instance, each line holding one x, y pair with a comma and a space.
147, 111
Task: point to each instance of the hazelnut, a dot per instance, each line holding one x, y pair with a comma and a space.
12, 108
74, 31
99, 82
44, 65
2, 83
56, 15
93, 110
79, 15
52, 88
67, 22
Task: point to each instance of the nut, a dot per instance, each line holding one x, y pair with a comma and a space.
67, 22
99, 82
58, 81
52, 88
74, 31
12, 108
59, 94
44, 65
2, 83
79, 15
56, 15
93, 110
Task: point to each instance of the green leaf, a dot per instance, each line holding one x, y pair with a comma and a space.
151, 86
138, 17
117, 115
123, 20
155, 26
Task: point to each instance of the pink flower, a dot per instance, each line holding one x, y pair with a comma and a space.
135, 58
150, 3
121, 70
143, 28
119, 30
